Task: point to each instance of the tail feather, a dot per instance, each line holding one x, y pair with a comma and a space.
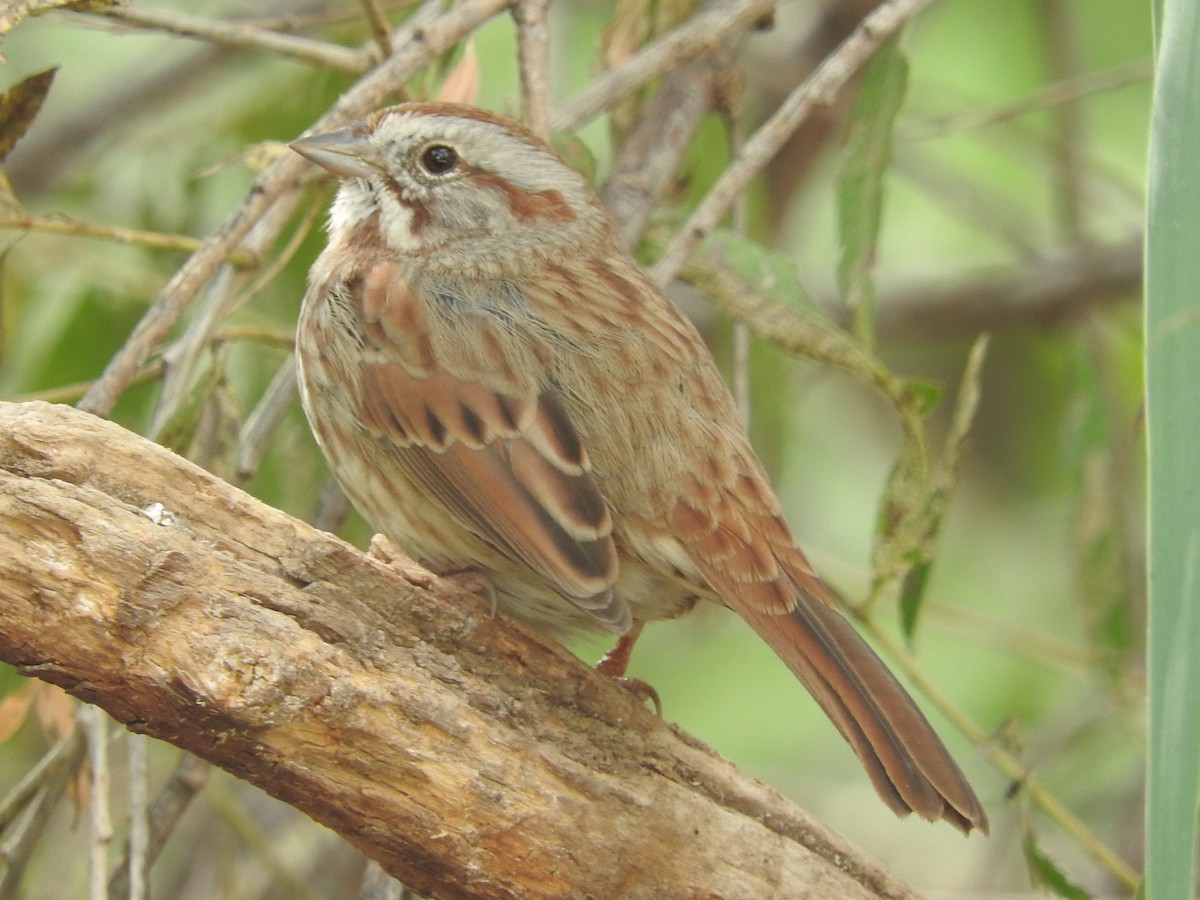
907, 763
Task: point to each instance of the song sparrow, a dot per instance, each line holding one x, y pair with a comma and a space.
497, 384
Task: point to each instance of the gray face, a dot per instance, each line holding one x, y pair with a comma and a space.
453, 185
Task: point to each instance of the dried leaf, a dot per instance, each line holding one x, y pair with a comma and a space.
461, 84
14, 709
628, 30
19, 105
55, 710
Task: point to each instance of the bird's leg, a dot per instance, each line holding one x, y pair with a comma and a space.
616, 661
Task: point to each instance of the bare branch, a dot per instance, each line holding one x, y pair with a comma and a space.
96, 726
1040, 294
243, 36
533, 55
457, 748
650, 154
190, 775
179, 243
379, 27
705, 31
818, 90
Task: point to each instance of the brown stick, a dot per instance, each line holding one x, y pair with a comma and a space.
460, 750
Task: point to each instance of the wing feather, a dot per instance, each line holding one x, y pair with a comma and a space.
510, 467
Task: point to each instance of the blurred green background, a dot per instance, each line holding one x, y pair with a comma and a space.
1017, 176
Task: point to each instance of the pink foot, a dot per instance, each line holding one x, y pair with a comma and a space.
616, 661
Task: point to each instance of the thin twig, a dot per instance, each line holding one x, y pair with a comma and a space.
220, 300
273, 338
31, 831
69, 393
649, 157
1065, 91
272, 406
703, 32
62, 757
820, 89
1063, 52
186, 781
533, 57
136, 857
94, 722
178, 243
307, 218
327, 14
730, 94
267, 415
241, 35
380, 32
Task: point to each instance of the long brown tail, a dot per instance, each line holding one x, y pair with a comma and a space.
903, 756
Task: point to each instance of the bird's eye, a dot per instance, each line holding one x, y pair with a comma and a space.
438, 159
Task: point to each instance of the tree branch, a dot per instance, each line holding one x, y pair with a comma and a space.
457, 748
1040, 294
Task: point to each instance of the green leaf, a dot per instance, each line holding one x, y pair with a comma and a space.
1172, 349
770, 272
901, 522
1048, 875
916, 501
861, 181
912, 591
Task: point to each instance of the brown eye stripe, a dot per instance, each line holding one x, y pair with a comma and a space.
540, 206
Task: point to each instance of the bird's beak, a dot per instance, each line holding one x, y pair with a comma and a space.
347, 152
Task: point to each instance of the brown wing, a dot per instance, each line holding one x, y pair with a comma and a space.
504, 461
733, 530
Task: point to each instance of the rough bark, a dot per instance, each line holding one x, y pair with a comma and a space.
466, 754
